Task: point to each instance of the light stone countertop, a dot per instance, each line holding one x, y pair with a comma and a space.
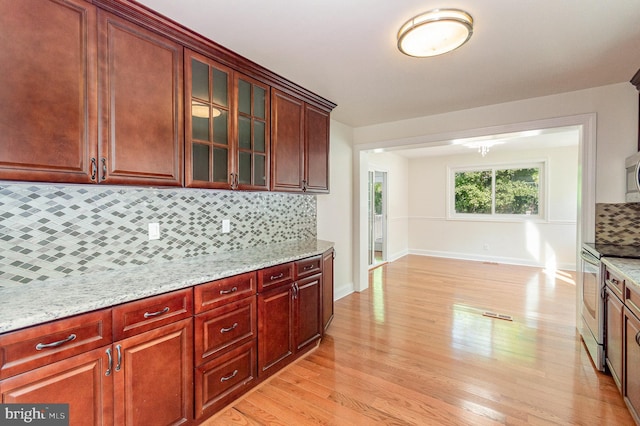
629, 269
38, 302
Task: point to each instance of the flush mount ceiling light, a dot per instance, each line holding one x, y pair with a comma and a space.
435, 32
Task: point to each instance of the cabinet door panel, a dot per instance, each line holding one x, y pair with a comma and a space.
614, 336
275, 330
79, 381
317, 149
141, 133
48, 101
308, 322
154, 384
327, 288
631, 390
287, 150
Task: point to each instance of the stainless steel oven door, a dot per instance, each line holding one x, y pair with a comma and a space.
592, 327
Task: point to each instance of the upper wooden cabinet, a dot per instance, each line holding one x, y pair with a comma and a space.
141, 130
227, 127
48, 104
96, 91
300, 145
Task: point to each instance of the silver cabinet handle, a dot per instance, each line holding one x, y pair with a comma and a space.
155, 314
109, 363
229, 377
233, 290
226, 330
41, 346
119, 362
638, 338
309, 267
94, 168
104, 169
275, 277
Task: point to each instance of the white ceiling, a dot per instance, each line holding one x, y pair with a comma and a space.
345, 50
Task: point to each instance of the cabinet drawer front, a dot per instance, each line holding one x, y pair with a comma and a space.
142, 315
221, 328
309, 266
225, 378
275, 275
217, 293
36, 346
632, 299
614, 282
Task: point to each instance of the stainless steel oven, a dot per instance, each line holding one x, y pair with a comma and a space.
592, 306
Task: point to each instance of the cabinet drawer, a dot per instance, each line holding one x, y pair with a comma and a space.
309, 266
142, 315
36, 346
615, 282
223, 327
632, 299
274, 276
225, 378
217, 293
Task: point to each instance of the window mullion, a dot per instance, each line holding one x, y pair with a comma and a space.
493, 192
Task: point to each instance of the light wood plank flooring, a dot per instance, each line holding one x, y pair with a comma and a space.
415, 349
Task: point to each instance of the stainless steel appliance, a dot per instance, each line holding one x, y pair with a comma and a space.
591, 293
592, 310
632, 165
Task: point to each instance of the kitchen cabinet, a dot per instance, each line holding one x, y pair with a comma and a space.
144, 377
289, 312
141, 111
75, 92
79, 381
327, 288
227, 127
300, 145
631, 386
48, 90
613, 358
225, 341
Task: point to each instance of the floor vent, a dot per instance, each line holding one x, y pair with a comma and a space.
498, 316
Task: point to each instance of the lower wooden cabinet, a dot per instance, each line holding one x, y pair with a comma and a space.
152, 362
275, 329
154, 383
613, 359
79, 381
631, 381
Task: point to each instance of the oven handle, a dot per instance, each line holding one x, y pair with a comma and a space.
589, 258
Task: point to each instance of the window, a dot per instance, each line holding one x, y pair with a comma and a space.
498, 192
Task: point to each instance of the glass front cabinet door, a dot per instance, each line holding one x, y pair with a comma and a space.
227, 134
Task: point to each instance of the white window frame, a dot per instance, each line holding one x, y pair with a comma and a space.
543, 194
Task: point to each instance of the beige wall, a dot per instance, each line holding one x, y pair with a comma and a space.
335, 210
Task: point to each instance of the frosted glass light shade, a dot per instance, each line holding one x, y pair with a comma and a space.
435, 32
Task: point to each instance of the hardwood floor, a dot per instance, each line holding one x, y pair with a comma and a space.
415, 349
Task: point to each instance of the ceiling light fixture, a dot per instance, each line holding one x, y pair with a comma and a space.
435, 32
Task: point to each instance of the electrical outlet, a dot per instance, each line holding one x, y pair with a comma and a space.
226, 226
154, 231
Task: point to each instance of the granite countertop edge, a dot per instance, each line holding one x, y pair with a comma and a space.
628, 268
33, 303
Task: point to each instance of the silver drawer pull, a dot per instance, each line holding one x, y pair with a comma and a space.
229, 377
233, 290
41, 346
638, 338
275, 277
110, 362
155, 314
309, 267
226, 330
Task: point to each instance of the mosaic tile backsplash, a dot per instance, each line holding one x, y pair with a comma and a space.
618, 223
52, 231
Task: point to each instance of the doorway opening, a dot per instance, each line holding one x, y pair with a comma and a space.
377, 212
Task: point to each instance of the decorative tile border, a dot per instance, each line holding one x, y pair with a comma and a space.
618, 223
52, 231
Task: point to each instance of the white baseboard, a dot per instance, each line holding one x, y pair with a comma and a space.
494, 259
342, 291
